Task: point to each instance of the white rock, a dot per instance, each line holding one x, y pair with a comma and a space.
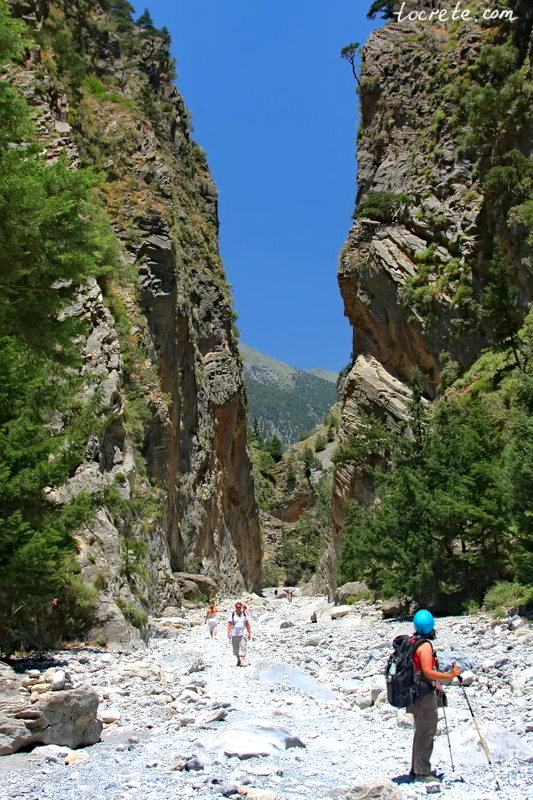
53, 752
58, 680
260, 794
468, 677
340, 611
76, 757
467, 748
255, 737
110, 715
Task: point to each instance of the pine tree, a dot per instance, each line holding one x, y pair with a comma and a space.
275, 448
519, 478
256, 432
383, 7
52, 239
121, 11
498, 301
320, 443
145, 20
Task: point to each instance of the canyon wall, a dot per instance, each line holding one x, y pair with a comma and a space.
168, 467
445, 112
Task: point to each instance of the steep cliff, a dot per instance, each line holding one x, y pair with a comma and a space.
168, 469
443, 214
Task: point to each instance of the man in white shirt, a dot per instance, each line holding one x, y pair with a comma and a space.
239, 632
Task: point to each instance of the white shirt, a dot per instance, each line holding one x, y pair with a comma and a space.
238, 622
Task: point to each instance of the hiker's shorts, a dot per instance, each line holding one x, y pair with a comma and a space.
212, 624
239, 645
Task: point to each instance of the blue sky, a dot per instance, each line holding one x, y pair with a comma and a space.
275, 108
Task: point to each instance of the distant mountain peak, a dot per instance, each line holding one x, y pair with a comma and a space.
325, 374
286, 401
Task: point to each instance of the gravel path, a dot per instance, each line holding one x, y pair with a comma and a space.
321, 683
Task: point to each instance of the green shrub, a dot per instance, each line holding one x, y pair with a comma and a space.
380, 206
271, 574
132, 613
471, 606
101, 638
362, 595
320, 443
94, 86
504, 594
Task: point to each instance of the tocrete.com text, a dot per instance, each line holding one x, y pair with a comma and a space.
452, 14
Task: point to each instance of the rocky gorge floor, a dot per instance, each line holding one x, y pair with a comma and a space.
306, 719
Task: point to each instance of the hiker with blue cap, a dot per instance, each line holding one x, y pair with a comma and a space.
428, 689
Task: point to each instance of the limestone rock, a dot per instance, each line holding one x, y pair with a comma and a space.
340, 611
191, 585
393, 607
61, 717
400, 292
375, 790
259, 794
191, 437
342, 593
253, 737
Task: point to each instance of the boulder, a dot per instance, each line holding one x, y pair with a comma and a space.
171, 611
59, 717
253, 737
288, 676
373, 790
394, 607
340, 611
503, 745
193, 585
259, 794
342, 593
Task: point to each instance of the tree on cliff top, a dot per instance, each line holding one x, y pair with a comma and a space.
145, 20
349, 54
385, 7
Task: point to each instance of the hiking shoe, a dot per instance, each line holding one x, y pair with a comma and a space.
431, 778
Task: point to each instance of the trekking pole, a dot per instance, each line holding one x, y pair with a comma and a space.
481, 739
448, 734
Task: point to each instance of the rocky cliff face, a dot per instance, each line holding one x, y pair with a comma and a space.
441, 105
169, 469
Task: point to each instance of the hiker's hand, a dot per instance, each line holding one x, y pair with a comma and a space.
455, 670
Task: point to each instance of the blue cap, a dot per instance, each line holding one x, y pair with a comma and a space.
423, 621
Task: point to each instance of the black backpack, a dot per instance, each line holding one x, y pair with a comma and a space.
403, 687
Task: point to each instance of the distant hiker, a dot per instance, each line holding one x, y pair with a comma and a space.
289, 592
239, 632
424, 708
275, 592
211, 619
313, 617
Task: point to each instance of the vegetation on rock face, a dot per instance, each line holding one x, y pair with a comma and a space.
380, 206
454, 509
296, 480
53, 237
302, 547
